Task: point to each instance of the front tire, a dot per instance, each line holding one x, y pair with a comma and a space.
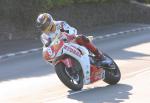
112, 76
64, 76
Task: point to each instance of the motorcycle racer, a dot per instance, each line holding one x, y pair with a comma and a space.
51, 28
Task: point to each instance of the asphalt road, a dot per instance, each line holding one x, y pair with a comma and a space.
29, 79
13, 46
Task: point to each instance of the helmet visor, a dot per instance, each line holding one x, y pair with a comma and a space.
47, 28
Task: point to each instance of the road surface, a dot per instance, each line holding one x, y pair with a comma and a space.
29, 79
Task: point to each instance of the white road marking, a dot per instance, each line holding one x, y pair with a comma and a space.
10, 54
121, 32
98, 37
24, 52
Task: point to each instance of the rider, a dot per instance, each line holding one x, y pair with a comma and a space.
50, 28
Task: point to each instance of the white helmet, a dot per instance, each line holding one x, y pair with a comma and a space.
44, 21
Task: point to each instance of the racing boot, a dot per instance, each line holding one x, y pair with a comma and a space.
104, 62
101, 60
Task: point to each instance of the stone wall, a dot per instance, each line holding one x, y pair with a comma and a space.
83, 17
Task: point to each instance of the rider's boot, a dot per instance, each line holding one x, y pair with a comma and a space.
101, 60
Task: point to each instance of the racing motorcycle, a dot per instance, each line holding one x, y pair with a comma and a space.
76, 66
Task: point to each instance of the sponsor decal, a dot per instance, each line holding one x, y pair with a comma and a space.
74, 51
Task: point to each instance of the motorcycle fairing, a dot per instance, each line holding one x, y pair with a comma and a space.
83, 59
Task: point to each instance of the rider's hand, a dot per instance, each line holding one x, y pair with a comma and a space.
64, 37
48, 42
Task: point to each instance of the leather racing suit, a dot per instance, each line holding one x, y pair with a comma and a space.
70, 34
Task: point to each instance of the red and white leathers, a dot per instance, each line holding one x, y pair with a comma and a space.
64, 31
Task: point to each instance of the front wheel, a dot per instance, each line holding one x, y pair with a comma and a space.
71, 77
112, 74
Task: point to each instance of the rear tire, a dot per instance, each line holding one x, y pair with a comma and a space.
112, 76
60, 69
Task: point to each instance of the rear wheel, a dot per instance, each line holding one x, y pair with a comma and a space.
112, 74
71, 77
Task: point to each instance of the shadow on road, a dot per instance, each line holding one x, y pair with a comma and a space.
109, 94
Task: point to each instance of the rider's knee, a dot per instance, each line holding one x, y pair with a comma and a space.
82, 38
